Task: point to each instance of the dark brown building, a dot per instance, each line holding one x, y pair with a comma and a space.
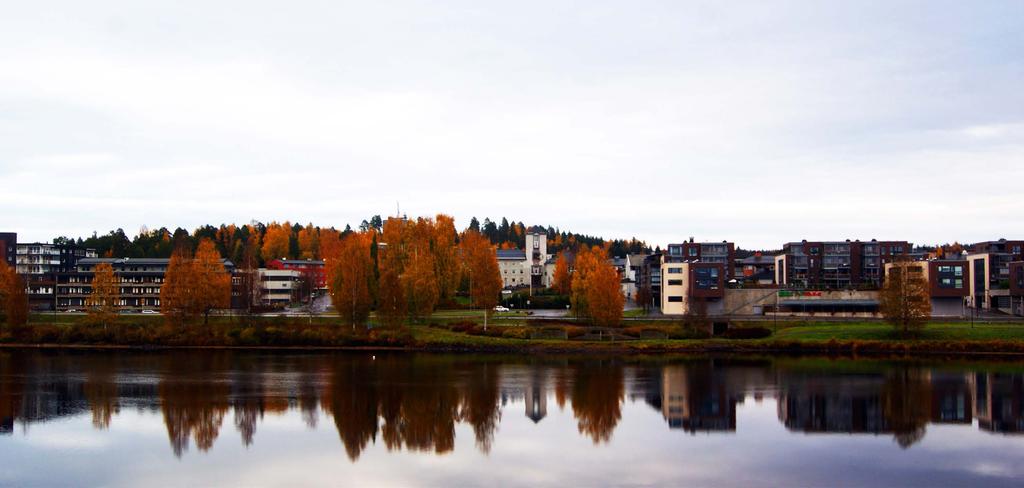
723, 253
8, 246
837, 265
1017, 287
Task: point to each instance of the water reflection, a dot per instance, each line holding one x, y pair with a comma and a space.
417, 402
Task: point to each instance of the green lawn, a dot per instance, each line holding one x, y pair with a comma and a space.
824, 331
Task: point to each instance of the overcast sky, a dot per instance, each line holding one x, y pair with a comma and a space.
757, 122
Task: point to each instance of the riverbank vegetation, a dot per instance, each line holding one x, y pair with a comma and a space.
464, 331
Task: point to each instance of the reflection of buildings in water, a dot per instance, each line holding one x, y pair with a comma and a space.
951, 398
536, 399
696, 398
901, 401
999, 402
850, 404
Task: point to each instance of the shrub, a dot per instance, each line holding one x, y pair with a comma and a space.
573, 331
463, 326
516, 333
391, 337
747, 333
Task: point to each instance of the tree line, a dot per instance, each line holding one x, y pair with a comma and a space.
287, 240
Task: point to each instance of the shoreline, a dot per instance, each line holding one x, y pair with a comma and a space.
844, 348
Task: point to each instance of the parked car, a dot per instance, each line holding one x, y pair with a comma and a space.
499, 308
147, 311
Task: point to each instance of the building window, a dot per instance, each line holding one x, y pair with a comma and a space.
675, 282
675, 271
693, 252
675, 299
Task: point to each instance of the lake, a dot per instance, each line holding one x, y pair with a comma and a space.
400, 419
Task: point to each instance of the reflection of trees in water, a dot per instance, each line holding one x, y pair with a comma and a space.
414, 402
194, 404
351, 399
479, 405
100, 390
597, 395
897, 401
906, 402
11, 392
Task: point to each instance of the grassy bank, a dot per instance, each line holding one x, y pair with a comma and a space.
459, 331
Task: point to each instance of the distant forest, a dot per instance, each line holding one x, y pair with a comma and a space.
297, 241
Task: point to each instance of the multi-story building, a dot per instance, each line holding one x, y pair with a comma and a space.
837, 264
1017, 288
990, 273
279, 287
687, 285
989, 281
756, 268
648, 274
312, 268
140, 279
40, 264
1013, 248
948, 283
704, 252
532, 267
8, 246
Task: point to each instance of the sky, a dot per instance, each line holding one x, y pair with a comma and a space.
755, 122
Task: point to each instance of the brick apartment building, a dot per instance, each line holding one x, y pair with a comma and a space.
8, 248
948, 284
723, 253
837, 265
687, 283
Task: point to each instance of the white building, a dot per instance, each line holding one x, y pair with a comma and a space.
279, 286
530, 267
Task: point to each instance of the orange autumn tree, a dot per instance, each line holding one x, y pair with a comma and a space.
13, 298
350, 277
481, 264
309, 242
102, 303
178, 286
392, 302
212, 280
587, 260
562, 281
596, 291
419, 276
276, 241
446, 260
604, 296
195, 285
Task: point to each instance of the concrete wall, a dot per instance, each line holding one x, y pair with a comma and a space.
743, 302
948, 307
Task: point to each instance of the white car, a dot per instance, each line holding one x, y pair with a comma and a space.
150, 312
499, 308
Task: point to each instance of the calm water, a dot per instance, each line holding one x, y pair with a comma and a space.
447, 420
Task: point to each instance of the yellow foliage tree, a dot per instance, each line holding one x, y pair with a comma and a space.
905, 301
102, 303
